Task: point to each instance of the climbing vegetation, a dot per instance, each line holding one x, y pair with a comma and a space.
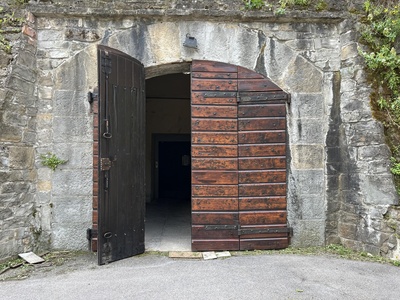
279, 6
380, 32
10, 23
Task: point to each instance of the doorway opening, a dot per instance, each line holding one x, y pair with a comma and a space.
168, 163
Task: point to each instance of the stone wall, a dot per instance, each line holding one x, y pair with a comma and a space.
340, 189
19, 218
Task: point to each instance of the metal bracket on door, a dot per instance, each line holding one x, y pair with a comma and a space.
105, 164
288, 230
221, 227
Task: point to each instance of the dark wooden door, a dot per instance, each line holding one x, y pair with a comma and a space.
121, 156
238, 159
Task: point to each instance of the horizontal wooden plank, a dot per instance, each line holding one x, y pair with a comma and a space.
261, 190
214, 218
215, 138
212, 66
262, 163
214, 177
215, 245
262, 176
214, 84
257, 85
211, 191
214, 124
262, 150
219, 98
262, 137
214, 164
221, 204
262, 218
262, 124
214, 151
262, 203
244, 73
264, 244
202, 111
216, 75
199, 232
262, 110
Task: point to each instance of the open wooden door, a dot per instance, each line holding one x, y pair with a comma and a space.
238, 159
121, 156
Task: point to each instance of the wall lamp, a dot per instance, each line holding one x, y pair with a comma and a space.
190, 42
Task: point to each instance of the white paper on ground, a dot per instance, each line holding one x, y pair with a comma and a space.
31, 257
223, 254
209, 255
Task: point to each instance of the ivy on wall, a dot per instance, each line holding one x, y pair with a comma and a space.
380, 32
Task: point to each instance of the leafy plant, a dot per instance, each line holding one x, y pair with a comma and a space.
9, 19
380, 32
395, 168
254, 4
51, 160
321, 5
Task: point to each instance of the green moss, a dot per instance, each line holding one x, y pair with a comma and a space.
380, 32
321, 5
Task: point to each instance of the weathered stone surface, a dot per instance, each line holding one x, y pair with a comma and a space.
306, 131
299, 70
309, 233
307, 106
307, 156
338, 158
21, 157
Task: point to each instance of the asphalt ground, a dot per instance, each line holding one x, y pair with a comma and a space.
236, 277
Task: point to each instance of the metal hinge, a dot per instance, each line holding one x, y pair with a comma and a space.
91, 97
105, 164
221, 227
105, 63
91, 233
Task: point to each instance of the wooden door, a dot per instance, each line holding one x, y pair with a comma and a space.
121, 156
238, 159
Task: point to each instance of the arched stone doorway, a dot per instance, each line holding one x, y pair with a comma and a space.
238, 149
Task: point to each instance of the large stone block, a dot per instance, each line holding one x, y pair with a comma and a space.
21, 157
349, 51
299, 70
357, 134
70, 103
78, 155
379, 189
21, 85
24, 73
306, 131
374, 152
77, 182
309, 233
307, 106
307, 156
313, 207
73, 129
67, 210
278, 56
309, 182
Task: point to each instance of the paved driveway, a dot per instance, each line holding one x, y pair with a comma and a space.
239, 277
